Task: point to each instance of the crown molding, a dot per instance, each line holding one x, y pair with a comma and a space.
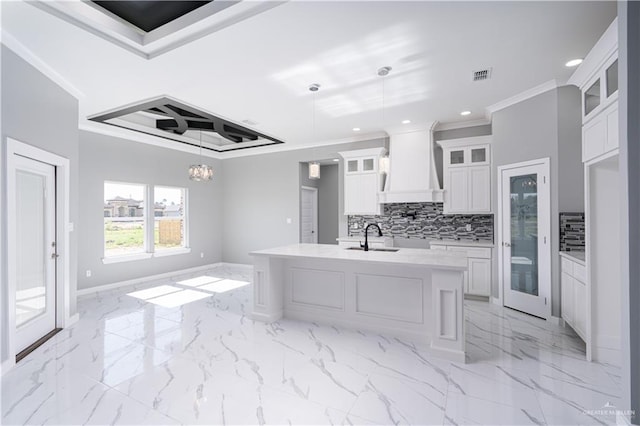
131, 135
523, 96
604, 48
452, 125
28, 56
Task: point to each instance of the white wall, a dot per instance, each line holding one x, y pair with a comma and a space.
107, 158
604, 245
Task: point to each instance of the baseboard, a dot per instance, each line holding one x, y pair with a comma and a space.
7, 365
107, 287
72, 320
451, 355
496, 301
556, 320
236, 265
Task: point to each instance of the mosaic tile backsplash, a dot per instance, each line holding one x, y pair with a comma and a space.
426, 221
572, 235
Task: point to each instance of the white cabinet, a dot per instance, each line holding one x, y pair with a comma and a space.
600, 110
600, 134
574, 295
477, 279
467, 175
362, 181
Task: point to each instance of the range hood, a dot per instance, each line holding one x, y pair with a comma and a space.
412, 173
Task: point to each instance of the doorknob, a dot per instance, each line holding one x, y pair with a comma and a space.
55, 255
506, 244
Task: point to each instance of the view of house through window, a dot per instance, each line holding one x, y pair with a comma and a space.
168, 212
126, 230
124, 219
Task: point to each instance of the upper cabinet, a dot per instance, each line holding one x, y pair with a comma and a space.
467, 175
597, 78
362, 181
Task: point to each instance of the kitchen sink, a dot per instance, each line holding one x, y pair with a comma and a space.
390, 250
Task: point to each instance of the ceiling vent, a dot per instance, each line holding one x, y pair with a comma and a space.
481, 75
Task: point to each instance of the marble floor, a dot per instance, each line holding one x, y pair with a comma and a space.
139, 356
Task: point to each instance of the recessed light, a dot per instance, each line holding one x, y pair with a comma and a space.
465, 113
406, 121
336, 159
573, 63
356, 129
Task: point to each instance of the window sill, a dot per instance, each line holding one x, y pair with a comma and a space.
171, 252
126, 258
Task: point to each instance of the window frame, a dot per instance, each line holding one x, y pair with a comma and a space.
149, 218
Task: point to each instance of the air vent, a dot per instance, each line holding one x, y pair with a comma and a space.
481, 75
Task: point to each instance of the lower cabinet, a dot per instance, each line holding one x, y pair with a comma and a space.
477, 279
574, 296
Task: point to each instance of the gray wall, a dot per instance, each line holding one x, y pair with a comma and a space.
629, 109
38, 112
571, 170
530, 130
261, 191
328, 210
114, 159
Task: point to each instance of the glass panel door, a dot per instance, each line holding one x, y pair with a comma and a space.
31, 273
524, 233
32, 250
525, 227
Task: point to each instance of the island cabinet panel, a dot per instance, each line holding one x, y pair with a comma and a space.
391, 297
412, 294
315, 288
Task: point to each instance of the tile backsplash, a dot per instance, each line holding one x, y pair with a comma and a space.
572, 235
426, 221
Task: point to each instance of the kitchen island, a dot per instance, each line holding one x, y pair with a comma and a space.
414, 294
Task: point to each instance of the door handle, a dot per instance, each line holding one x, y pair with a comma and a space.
55, 255
506, 244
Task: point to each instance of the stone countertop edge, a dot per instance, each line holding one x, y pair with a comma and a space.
404, 256
575, 256
464, 243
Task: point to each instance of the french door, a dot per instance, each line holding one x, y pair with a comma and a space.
32, 249
524, 232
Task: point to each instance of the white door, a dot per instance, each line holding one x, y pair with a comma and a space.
32, 249
309, 216
525, 248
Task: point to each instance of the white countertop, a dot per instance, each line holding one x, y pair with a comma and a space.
406, 256
575, 256
464, 243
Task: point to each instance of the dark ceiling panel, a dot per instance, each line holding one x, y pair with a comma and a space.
149, 14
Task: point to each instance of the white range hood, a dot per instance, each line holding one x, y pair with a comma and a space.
412, 173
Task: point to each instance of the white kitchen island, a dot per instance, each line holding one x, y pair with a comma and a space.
414, 294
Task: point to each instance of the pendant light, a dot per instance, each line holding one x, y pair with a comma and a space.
383, 162
200, 172
314, 166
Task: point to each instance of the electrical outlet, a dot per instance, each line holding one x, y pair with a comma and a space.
289, 221
88, 273
468, 227
201, 255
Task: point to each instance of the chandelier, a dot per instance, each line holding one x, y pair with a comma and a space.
200, 172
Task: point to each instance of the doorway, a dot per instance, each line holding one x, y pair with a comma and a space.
37, 223
309, 215
524, 229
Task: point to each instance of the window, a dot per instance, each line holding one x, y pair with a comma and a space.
169, 217
141, 221
124, 219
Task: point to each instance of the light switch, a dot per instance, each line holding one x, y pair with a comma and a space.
289, 221
70, 226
